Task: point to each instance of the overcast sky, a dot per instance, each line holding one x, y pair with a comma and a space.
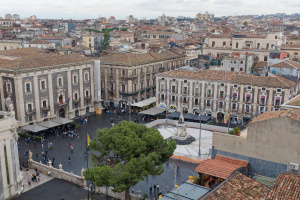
83, 9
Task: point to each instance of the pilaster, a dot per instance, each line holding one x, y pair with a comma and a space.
50, 90
36, 97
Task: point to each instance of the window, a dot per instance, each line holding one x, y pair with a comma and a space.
221, 105
184, 99
231, 44
224, 43
208, 103
185, 81
75, 79
241, 69
134, 87
276, 37
173, 99
221, 94
277, 101
249, 87
185, 90
248, 98
29, 107
111, 86
162, 87
222, 84
75, 96
60, 82
295, 55
173, 88
208, 93
162, 97
123, 88
86, 76
43, 85
8, 87
235, 86
236, 45
86, 93
197, 91
235, 62
123, 72
45, 113
262, 109
278, 90
232, 69
111, 71
44, 103
142, 85
247, 108
196, 102
263, 89
262, 99
234, 106
28, 87
242, 62
248, 45
213, 43
134, 72
148, 84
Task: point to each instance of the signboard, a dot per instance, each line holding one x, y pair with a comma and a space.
162, 105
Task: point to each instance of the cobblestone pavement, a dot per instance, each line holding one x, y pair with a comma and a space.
61, 151
27, 175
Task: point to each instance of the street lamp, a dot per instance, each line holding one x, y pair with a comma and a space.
199, 152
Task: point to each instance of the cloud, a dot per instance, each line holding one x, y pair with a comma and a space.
78, 9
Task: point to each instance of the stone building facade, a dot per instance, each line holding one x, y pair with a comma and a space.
128, 76
48, 86
218, 93
10, 175
11, 44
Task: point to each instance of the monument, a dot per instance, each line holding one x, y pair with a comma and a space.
181, 136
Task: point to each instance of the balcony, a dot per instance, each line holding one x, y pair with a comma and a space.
148, 88
30, 112
247, 111
234, 99
76, 100
142, 90
45, 108
184, 93
132, 76
262, 102
234, 110
196, 94
60, 104
87, 97
208, 96
221, 97
111, 90
128, 93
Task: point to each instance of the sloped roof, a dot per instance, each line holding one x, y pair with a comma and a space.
232, 77
293, 114
286, 187
260, 65
239, 187
40, 42
287, 64
294, 102
220, 166
23, 52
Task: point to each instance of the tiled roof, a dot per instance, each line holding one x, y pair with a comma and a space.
294, 102
42, 60
260, 65
293, 114
232, 77
134, 59
23, 52
220, 166
286, 187
239, 187
40, 42
288, 46
52, 38
287, 64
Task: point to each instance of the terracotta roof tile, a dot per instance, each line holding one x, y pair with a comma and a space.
293, 114
239, 187
287, 64
294, 102
232, 77
286, 187
260, 65
23, 52
220, 166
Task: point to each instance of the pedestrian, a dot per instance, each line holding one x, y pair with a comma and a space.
157, 186
49, 173
85, 155
25, 155
150, 188
39, 178
177, 168
154, 198
36, 155
78, 136
63, 135
72, 149
34, 143
69, 160
28, 140
70, 144
154, 187
29, 182
42, 146
132, 190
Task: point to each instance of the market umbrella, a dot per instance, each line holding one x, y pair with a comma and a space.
34, 128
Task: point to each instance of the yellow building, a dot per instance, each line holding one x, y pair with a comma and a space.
93, 41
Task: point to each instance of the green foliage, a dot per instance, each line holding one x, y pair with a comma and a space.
75, 125
245, 23
105, 41
210, 123
132, 151
232, 132
38, 138
124, 29
53, 34
145, 196
236, 129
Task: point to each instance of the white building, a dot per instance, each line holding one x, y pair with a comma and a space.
11, 177
238, 62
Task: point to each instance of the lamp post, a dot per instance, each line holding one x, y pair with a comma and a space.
199, 152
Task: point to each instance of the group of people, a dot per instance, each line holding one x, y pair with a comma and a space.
35, 177
155, 188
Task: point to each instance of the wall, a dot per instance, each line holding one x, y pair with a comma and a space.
275, 140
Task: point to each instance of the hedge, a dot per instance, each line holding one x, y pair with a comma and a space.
30, 136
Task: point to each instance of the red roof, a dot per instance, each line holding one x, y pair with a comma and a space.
220, 166
287, 186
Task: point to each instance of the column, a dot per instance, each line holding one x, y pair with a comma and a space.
92, 83
2, 94
50, 90
242, 97
9, 161
20, 107
3, 169
81, 92
37, 97
191, 99
70, 93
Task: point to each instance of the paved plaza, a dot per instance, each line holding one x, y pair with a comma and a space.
61, 151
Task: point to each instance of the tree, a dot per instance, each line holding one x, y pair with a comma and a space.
105, 41
245, 23
127, 153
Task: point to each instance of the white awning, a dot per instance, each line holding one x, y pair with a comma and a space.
34, 128
145, 102
152, 111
